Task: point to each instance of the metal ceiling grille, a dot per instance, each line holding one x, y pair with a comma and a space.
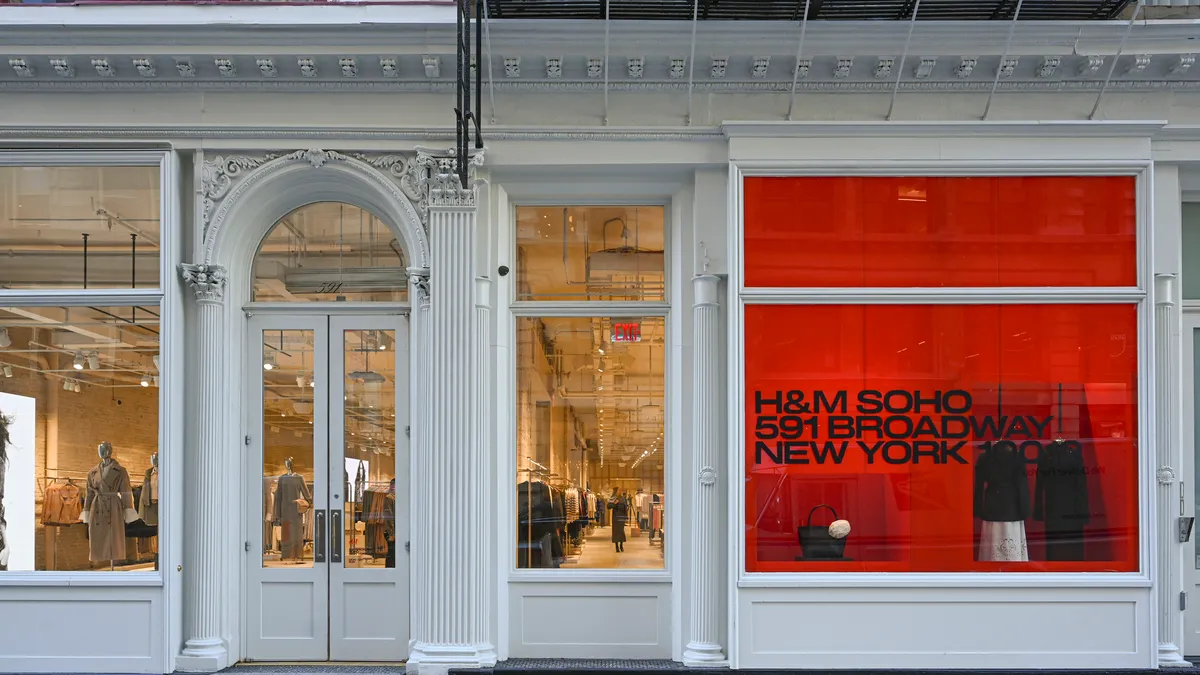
791, 10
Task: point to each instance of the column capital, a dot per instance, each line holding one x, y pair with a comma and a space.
1164, 288
708, 290
439, 169
418, 279
206, 281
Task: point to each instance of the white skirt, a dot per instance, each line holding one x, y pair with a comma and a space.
1003, 542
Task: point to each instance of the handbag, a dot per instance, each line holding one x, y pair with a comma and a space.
815, 541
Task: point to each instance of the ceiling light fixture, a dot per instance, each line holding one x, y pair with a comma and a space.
8, 371
5, 340
94, 361
299, 380
269, 361
155, 359
145, 380
78, 365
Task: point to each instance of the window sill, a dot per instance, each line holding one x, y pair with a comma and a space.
553, 576
81, 579
1002, 580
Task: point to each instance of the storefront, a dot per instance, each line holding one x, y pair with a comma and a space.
667, 383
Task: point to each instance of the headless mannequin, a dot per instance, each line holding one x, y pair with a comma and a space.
109, 497
290, 490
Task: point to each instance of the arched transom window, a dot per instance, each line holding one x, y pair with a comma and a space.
330, 252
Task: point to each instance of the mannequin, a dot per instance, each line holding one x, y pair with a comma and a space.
148, 508
619, 505
1002, 503
292, 500
108, 507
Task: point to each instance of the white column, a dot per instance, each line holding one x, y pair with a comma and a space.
485, 505
204, 650
704, 639
452, 632
418, 294
1167, 363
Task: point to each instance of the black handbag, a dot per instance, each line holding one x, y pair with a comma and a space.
815, 541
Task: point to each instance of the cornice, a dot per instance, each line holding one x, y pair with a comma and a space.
158, 133
1035, 129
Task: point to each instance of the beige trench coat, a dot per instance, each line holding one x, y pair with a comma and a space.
109, 499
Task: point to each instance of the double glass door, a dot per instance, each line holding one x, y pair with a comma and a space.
327, 561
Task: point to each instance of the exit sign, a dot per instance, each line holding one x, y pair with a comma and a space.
627, 332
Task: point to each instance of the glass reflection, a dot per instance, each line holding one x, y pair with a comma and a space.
369, 471
288, 448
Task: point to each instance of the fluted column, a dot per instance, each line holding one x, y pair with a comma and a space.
704, 639
482, 430
205, 650
1167, 362
452, 632
418, 293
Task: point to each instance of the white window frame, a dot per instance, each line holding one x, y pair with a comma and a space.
167, 297
1141, 296
648, 197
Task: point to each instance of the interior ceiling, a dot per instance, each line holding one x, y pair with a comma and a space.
115, 347
45, 213
793, 10
325, 250
590, 253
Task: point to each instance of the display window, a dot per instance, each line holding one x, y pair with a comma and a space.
80, 227
933, 231
941, 438
590, 390
79, 438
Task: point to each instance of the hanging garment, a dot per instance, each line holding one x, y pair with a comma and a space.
1060, 498
289, 488
62, 504
1001, 485
148, 507
108, 506
1003, 542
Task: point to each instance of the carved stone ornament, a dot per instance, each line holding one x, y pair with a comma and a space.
1166, 475
436, 174
708, 476
220, 174
207, 281
420, 280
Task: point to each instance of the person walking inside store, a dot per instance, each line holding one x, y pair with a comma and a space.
619, 508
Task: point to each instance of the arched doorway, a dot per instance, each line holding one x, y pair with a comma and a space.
328, 453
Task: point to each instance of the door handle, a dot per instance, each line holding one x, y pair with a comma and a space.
336, 534
319, 537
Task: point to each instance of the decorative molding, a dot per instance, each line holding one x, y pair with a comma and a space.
802, 68
1184, 64
21, 67
842, 69
965, 67
419, 277
758, 70
637, 67
1165, 475
104, 68
225, 67
595, 67
512, 66
432, 66
1008, 66
924, 69
708, 476
389, 67
719, 64
207, 281
356, 135
308, 67
1139, 65
884, 68
678, 66
266, 67
185, 67
553, 67
436, 174
145, 67
1048, 67
349, 67
1092, 67
62, 67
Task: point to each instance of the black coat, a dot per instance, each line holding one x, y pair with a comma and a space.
620, 514
1001, 486
1060, 493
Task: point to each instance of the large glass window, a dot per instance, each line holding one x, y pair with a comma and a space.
80, 227
941, 435
330, 251
590, 444
79, 444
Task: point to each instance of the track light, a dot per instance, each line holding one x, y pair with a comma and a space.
78, 365
145, 380
155, 359
94, 361
5, 340
8, 371
269, 361
300, 380
66, 385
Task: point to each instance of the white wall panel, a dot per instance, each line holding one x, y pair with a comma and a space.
945, 628
65, 629
576, 620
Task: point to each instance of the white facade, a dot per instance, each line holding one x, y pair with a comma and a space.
239, 151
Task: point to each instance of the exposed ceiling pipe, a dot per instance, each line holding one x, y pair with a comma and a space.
692, 61
1113, 67
113, 218
912, 23
1012, 29
799, 51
